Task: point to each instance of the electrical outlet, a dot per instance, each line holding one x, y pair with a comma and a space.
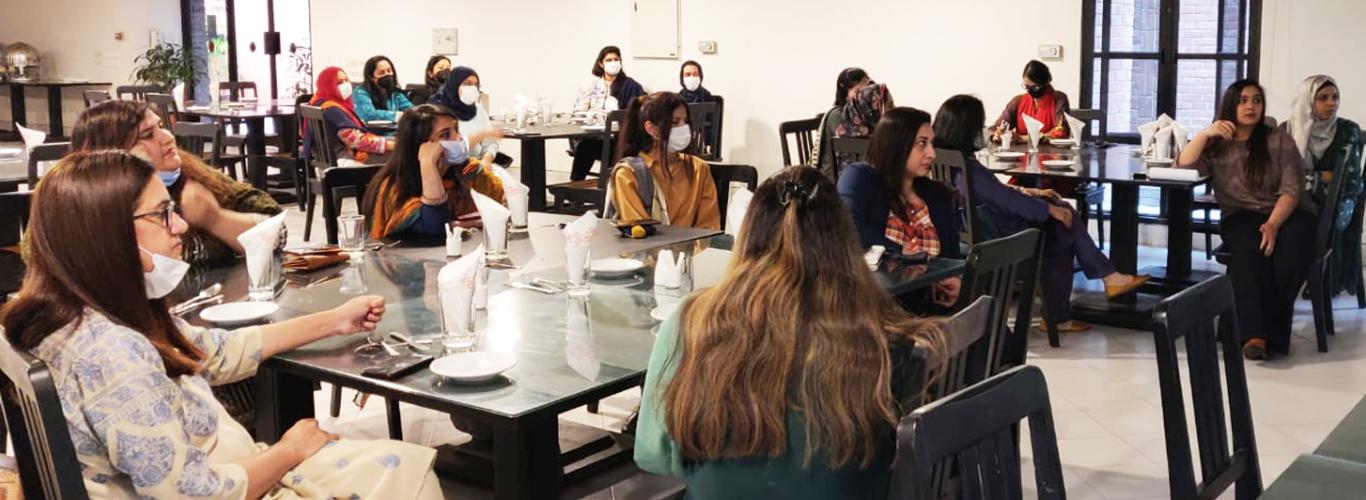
707, 47
1050, 52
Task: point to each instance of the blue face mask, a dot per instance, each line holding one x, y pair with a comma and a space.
457, 153
169, 178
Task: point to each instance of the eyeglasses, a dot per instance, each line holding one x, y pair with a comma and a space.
163, 213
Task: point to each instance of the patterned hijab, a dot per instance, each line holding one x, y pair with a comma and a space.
863, 111
1313, 136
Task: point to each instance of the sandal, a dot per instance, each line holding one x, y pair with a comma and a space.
1072, 326
1127, 288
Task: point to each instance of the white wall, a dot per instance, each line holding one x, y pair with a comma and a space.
76, 40
777, 59
1302, 38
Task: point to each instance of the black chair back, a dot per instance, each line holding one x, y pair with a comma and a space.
41, 153
136, 92
706, 129
1320, 283
848, 150
611, 125
1194, 314
93, 97
949, 167
976, 428
165, 106
42, 444
339, 183
14, 210
803, 133
965, 351
1095, 123
723, 174
193, 137
235, 91
321, 139
1006, 269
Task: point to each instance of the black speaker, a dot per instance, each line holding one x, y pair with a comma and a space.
272, 43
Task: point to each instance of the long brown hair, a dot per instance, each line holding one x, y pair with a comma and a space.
796, 324
84, 253
889, 147
1259, 153
658, 109
114, 125
403, 170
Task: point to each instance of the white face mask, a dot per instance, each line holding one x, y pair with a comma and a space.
692, 83
612, 67
345, 89
165, 275
469, 94
679, 138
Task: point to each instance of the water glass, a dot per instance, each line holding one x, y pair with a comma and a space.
261, 287
496, 242
353, 279
457, 338
351, 233
576, 267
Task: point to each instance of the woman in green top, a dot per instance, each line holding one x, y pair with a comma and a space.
787, 378
1330, 145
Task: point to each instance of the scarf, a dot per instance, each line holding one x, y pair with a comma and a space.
1313, 136
695, 96
1044, 112
863, 111
449, 95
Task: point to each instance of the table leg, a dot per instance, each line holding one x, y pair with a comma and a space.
533, 171
1179, 202
527, 458
256, 136
1124, 227
281, 400
54, 114
16, 106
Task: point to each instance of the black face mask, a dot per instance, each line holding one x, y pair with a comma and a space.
442, 75
388, 82
1035, 91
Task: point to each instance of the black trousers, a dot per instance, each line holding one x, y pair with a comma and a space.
1265, 288
585, 153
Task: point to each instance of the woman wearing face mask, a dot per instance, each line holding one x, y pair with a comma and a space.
1040, 101
1268, 221
134, 380
690, 76
427, 182
461, 95
847, 83
217, 208
1330, 145
438, 69
380, 98
609, 89
653, 177
333, 94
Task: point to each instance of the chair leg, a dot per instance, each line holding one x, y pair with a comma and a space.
1316, 300
334, 408
593, 406
1361, 290
308, 216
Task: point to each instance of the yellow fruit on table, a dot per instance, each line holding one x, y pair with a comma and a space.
637, 232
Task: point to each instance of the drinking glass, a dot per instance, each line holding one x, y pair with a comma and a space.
457, 338
496, 242
261, 286
353, 279
352, 235
576, 267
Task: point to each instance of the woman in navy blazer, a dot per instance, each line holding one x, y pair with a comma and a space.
894, 189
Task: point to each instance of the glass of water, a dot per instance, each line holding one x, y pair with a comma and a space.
262, 280
351, 235
455, 336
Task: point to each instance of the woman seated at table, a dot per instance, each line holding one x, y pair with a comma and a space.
1330, 145
690, 77
1011, 209
864, 109
849, 81
438, 69
1040, 101
461, 95
426, 183
654, 178
380, 97
1268, 221
217, 208
797, 349
609, 89
894, 203
134, 380
333, 94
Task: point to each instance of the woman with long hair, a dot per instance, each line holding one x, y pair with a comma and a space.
438, 70
134, 380
787, 378
217, 208
333, 94
380, 97
1040, 101
654, 177
428, 180
848, 83
609, 89
1268, 221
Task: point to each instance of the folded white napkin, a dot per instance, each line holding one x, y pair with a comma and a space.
578, 240
578, 348
32, 138
1173, 174
178, 93
669, 269
259, 244
1180, 136
481, 289
453, 234
1035, 129
455, 289
1164, 120
1075, 126
735, 212
1162, 144
516, 194
873, 256
495, 217
1146, 132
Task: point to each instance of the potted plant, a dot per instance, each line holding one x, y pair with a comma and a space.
163, 65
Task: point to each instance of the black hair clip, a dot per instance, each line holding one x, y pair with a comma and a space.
798, 191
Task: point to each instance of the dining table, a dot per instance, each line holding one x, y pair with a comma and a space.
1125, 171
253, 113
569, 351
533, 157
54, 86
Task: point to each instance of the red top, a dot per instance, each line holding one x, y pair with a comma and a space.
1045, 112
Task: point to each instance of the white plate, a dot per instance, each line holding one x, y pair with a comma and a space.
1063, 142
595, 127
1152, 161
615, 268
1057, 164
473, 366
1006, 155
10, 152
238, 312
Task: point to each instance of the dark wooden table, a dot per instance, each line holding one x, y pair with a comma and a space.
54, 86
254, 114
1125, 172
533, 157
1314, 477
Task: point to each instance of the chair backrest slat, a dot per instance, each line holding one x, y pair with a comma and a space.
611, 124
321, 138
236, 90
1006, 269
95, 96
706, 129
803, 133
136, 92
42, 444
965, 352
848, 150
339, 183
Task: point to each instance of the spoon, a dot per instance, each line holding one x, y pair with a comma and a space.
207, 292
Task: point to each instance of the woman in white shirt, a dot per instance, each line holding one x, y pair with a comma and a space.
461, 94
609, 90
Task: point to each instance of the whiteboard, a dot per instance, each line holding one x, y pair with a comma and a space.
654, 29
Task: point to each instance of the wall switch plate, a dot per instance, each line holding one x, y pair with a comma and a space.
1050, 52
118, 36
446, 41
707, 47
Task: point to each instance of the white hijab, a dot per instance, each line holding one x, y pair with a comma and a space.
1311, 135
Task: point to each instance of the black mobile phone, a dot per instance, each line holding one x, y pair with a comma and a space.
397, 367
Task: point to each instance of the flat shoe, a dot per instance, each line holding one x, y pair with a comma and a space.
1127, 288
1255, 349
1073, 326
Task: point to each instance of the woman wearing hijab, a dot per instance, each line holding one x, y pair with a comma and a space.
380, 98
1040, 101
438, 70
690, 77
333, 94
1330, 145
461, 94
863, 111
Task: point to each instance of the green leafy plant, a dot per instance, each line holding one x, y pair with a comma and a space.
163, 65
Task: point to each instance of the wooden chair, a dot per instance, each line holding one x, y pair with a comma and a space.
1355, 228
1192, 315
723, 175
165, 106
1094, 131
339, 183
322, 155
194, 136
950, 168
803, 133
577, 197
42, 153
965, 352
706, 128
93, 97
42, 443
976, 428
1007, 269
136, 92
236, 91
1090, 197
848, 150
1320, 281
